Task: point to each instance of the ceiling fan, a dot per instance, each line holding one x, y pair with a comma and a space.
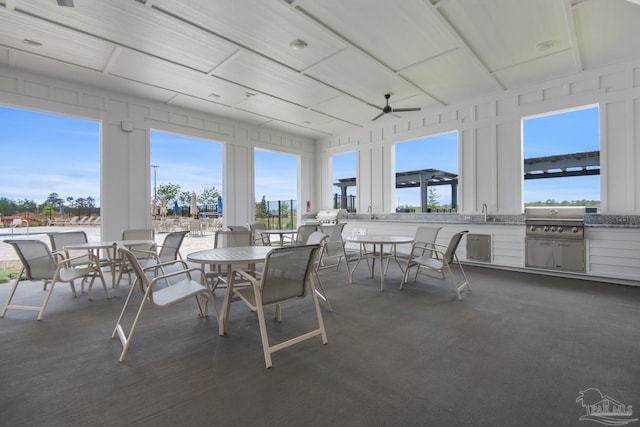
68, 3
387, 109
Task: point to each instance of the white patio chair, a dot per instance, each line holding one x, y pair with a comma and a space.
286, 276
157, 296
142, 252
303, 233
440, 260
424, 236
227, 239
39, 264
319, 238
257, 236
335, 249
80, 258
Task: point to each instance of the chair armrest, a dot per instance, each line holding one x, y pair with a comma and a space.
187, 272
244, 274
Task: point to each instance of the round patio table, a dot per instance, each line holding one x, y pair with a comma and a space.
375, 241
228, 257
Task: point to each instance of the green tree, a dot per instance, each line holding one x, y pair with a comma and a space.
184, 197
169, 191
261, 208
432, 198
208, 196
7, 207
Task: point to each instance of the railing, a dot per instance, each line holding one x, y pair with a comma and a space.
278, 214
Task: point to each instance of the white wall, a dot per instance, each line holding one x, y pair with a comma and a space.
490, 161
125, 155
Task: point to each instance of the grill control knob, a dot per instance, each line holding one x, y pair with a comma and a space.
532, 228
546, 228
560, 229
553, 228
574, 229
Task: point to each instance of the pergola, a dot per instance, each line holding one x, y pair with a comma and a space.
561, 165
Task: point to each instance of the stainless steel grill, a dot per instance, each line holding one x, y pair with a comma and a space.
331, 216
555, 238
556, 223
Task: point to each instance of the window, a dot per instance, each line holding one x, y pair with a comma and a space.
51, 165
276, 188
344, 181
427, 174
182, 165
562, 158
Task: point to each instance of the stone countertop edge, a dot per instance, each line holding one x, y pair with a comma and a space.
591, 220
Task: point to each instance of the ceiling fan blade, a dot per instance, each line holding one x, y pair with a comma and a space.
400, 110
67, 3
378, 116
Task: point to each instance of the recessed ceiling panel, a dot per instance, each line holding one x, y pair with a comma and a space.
608, 32
265, 76
217, 109
347, 109
358, 75
52, 41
280, 110
542, 69
397, 33
132, 24
266, 27
452, 77
506, 32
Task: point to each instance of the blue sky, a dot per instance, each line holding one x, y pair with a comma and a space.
46, 153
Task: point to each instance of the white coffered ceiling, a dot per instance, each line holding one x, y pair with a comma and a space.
233, 57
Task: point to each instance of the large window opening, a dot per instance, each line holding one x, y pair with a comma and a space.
562, 158
344, 181
186, 177
51, 168
427, 174
276, 188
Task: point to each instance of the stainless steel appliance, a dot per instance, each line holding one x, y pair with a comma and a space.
331, 216
554, 238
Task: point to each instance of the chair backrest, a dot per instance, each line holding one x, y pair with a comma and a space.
286, 273
426, 234
304, 231
257, 236
237, 228
316, 238
65, 238
232, 239
170, 249
138, 234
334, 244
36, 258
453, 246
141, 279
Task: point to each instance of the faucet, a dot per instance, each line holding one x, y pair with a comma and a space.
484, 211
370, 211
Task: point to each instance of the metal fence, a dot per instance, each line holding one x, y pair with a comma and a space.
278, 214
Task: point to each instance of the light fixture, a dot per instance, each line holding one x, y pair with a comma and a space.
32, 43
298, 44
545, 45
214, 95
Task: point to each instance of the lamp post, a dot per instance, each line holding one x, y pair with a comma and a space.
155, 187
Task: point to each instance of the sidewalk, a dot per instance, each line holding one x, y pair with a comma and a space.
9, 258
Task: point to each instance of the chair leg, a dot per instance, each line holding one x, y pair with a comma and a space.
13, 291
263, 334
46, 298
322, 293
323, 332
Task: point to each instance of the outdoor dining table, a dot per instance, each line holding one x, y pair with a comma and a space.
110, 259
281, 232
378, 241
229, 257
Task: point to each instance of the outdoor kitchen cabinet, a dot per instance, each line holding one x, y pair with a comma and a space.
565, 255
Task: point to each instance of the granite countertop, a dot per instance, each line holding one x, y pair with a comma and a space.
591, 220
